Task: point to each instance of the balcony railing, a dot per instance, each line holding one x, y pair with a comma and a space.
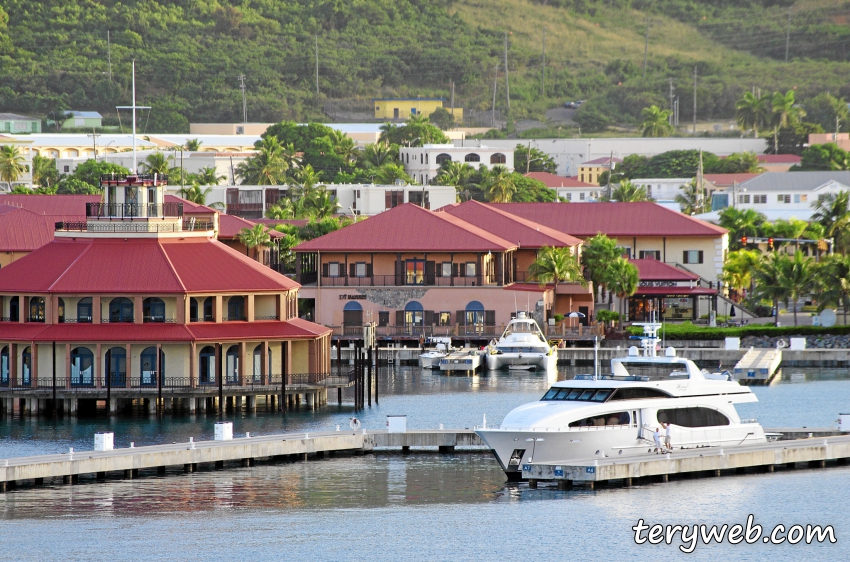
399, 281
133, 179
129, 210
559, 331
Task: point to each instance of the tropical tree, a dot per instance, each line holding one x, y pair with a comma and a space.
196, 195
344, 146
739, 268
12, 164
388, 173
753, 112
828, 156
740, 222
832, 211
44, 172
556, 265
627, 192
527, 159
255, 239
798, 278
655, 122
832, 283
320, 203
597, 254
499, 185
307, 178
156, 163
282, 210
376, 155
769, 281
622, 279
785, 114
209, 176
692, 199
267, 167
193, 145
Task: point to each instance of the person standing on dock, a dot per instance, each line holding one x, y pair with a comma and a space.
657, 437
668, 444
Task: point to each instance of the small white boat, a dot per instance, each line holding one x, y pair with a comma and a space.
430, 359
461, 360
522, 346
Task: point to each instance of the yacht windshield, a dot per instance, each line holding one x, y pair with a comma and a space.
654, 371
523, 327
579, 394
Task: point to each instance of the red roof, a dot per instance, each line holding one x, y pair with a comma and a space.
779, 159
229, 226
655, 270
296, 328
672, 291
554, 180
408, 228
725, 180
190, 208
65, 207
22, 230
520, 231
613, 219
138, 265
604, 161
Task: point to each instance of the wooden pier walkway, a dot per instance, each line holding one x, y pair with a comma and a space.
247, 450
708, 461
757, 365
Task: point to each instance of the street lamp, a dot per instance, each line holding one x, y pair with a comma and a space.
534, 441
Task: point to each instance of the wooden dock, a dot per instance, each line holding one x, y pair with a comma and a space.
757, 366
700, 462
245, 450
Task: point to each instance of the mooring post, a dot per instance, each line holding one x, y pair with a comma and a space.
377, 365
220, 374
369, 381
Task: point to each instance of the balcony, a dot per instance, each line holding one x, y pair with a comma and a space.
190, 225
130, 210
562, 331
133, 180
398, 281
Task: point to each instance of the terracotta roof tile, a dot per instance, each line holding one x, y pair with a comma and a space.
656, 270
22, 230
69, 207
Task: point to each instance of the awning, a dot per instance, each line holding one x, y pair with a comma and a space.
674, 291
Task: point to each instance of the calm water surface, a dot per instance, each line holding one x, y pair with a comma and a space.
420, 506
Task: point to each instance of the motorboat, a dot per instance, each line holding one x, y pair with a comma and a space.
522, 346
615, 415
467, 359
430, 358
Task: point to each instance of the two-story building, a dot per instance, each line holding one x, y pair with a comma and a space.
399, 109
136, 298
591, 170
423, 162
569, 188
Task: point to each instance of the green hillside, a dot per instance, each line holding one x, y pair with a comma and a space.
190, 54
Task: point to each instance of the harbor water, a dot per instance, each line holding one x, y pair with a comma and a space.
422, 506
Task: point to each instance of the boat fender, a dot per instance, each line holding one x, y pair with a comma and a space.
781, 344
355, 423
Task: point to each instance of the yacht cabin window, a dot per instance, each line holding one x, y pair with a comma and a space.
613, 418
692, 417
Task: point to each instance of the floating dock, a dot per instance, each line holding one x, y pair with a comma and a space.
815, 451
757, 366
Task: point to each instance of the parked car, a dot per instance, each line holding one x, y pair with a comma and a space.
578, 103
570, 105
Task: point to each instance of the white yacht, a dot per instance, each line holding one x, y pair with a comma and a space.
615, 415
467, 359
430, 359
521, 346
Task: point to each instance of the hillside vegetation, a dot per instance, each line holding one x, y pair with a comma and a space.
190, 54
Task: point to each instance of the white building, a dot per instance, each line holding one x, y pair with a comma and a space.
423, 162
24, 146
664, 190
252, 201
780, 195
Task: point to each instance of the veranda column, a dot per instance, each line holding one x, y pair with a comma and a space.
13, 366
264, 364
193, 377
34, 365
98, 365
129, 365
96, 312
68, 365
249, 308
240, 364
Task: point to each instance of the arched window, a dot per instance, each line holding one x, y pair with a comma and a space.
26, 366
4, 366
236, 308
153, 310
121, 310
14, 309
82, 367
193, 309
36, 309
472, 158
258, 362
60, 310
84, 310
116, 366
352, 314
232, 365
147, 366
474, 314
442, 158
208, 310
206, 365
414, 314
498, 158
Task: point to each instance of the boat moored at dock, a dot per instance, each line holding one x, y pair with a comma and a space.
468, 359
522, 346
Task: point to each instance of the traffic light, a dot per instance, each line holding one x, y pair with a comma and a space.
743, 240
770, 243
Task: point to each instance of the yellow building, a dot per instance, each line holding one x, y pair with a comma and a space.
402, 108
590, 171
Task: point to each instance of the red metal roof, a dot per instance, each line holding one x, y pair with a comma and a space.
229, 226
725, 180
69, 207
616, 220
604, 161
522, 232
291, 329
409, 228
151, 332
553, 180
22, 230
138, 265
673, 291
655, 270
190, 208
779, 158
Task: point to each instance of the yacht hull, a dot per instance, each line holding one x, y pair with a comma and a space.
543, 361
430, 361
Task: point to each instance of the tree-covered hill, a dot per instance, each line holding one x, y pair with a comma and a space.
55, 54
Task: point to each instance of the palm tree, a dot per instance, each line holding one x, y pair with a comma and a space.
622, 278
597, 253
740, 222
256, 237
784, 115
283, 210
12, 164
344, 146
832, 283
554, 265
193, 145
376, 155
753, 112
321, 204
627, 192
196, 195
798, 278
307, 177
390, 172
209, 176
499, 185
267, 167
43, 170
832, 211
291, 157
769, 281
692, 199
739, 268
655, 122
156, 163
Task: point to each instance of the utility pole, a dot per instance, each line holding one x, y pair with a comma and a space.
610, 173
543, 69
94, 136
507, 80
109, 55
837, 128
788, 32
453, 98
495, 85
695, 101
672, 109
244, 104
646, 46
317, 65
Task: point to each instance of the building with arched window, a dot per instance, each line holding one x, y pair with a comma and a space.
134, 298
422, 163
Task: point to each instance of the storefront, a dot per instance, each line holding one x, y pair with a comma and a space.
672, 293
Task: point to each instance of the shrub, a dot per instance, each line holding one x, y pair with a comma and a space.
687, 331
